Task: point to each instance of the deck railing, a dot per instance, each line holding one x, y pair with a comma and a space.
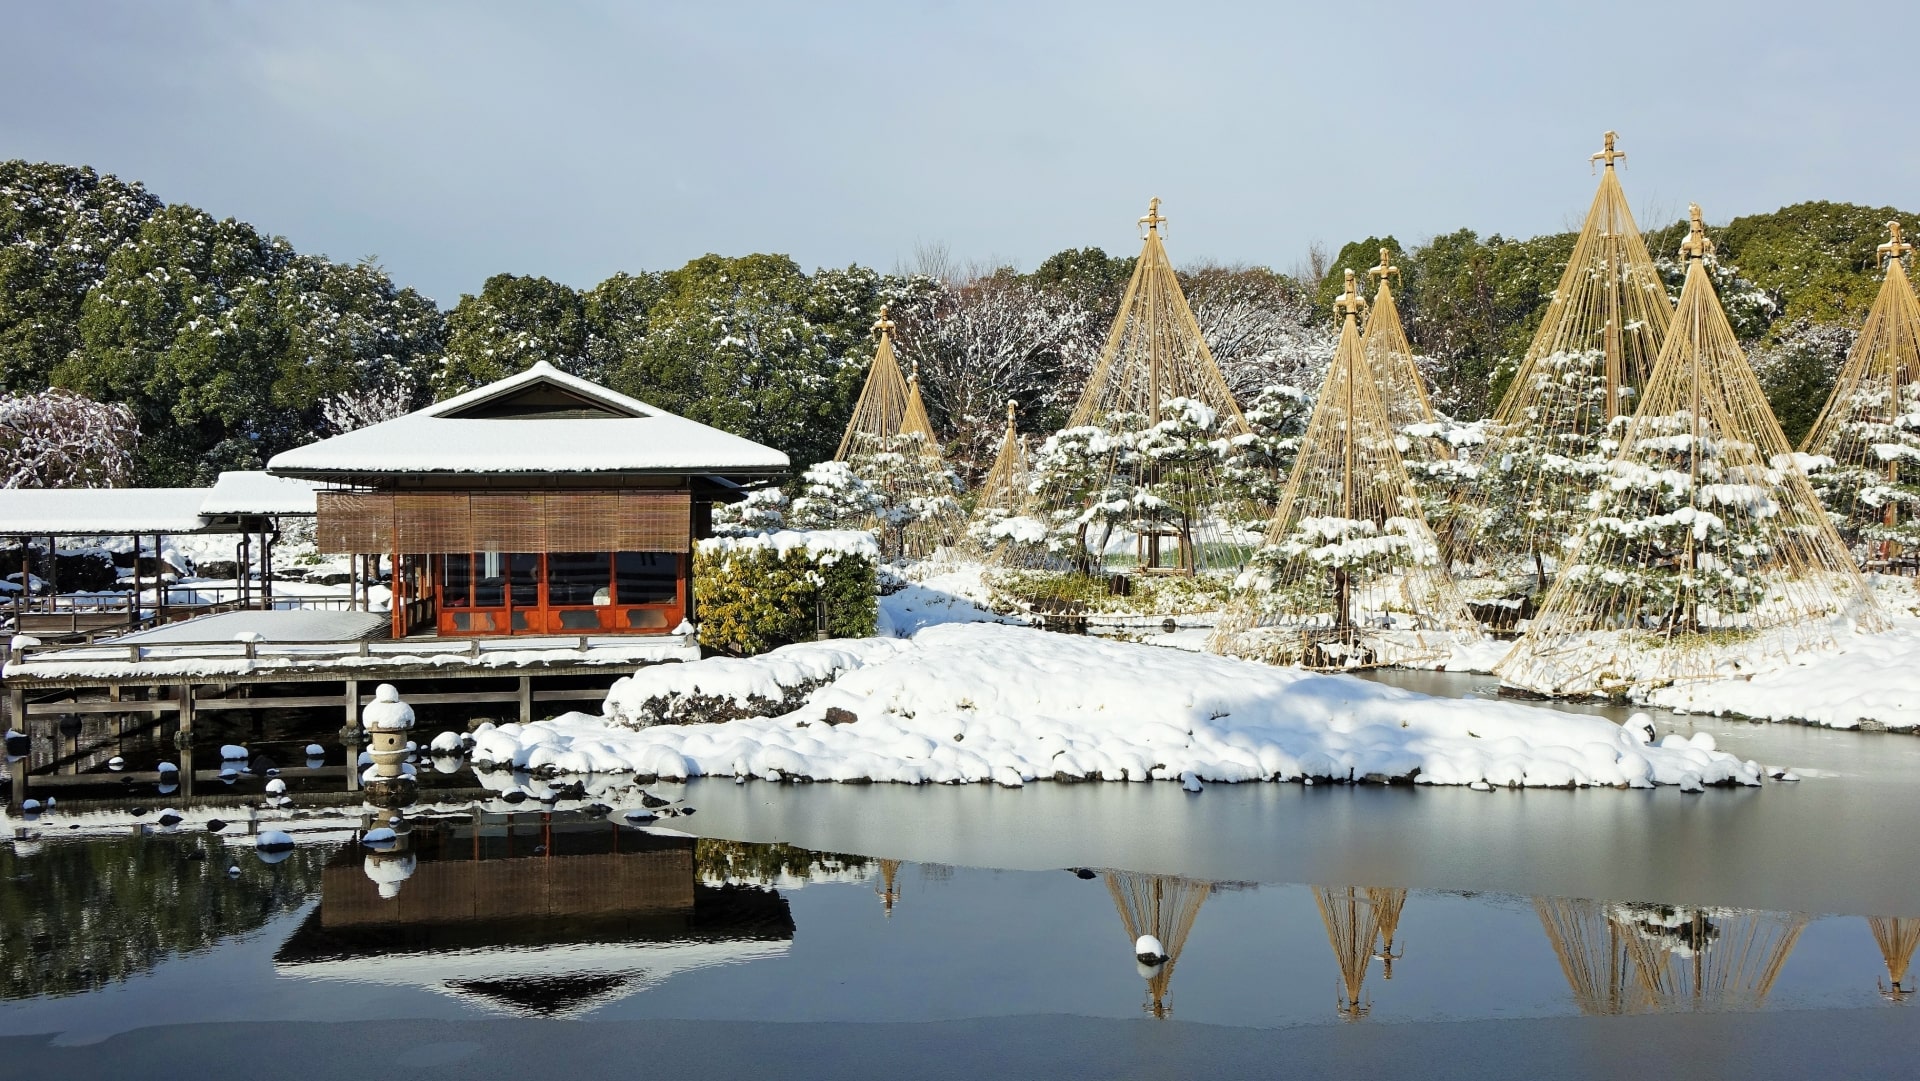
470, 649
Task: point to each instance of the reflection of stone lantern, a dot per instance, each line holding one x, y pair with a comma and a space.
388, 720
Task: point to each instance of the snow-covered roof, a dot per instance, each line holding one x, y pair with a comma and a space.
539, 421
71, 512
255, 492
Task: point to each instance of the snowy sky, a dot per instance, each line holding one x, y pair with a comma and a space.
455, 140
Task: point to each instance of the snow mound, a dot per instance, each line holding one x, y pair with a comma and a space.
1872, 681
724, 688
980, 702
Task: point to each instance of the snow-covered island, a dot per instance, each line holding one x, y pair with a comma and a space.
962, 703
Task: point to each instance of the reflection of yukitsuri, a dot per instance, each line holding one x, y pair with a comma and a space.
1163, 906
1897, 937
1706, 554
1871, 423
1388, 901
1594, 350
1143, 453
1709, 958
889, 890
1592, 945
1353, 927
1349, 576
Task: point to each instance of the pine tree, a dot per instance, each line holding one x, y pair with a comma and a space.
1706, 553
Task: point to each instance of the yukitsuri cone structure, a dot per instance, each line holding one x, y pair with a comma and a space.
1592, 946
1709, 959
1349, 576
1866, 442
1388, 902
1897, 938
1593, 352
1430, 462
1005, 486
1139, 458
1707, 554
1165, 907
890, 444
1353, 927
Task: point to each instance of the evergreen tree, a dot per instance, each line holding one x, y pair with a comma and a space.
834, 496
58, 225
1869, 485
515, 322
1257, 463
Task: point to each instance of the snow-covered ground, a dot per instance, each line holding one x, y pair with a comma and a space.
977, 702
1870, 681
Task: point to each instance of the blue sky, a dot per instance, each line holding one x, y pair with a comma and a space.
457, 140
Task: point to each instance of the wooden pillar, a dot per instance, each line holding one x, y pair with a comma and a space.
20, 596
526, 699
351, 735
17, 716
183, 740
53, 573
266, 570
66, 744
160, 583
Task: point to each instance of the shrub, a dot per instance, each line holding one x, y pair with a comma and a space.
756, 593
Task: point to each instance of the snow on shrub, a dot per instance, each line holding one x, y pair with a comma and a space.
756, 593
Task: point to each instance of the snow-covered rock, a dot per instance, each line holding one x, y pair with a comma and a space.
233, 751
976, 702
314, 750
446, 743
379, 837
1148, 950
276, 787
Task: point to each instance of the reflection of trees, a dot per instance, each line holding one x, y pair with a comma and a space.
1632, 958
79, 915
718, 860
1353, 926
1710, 958
1592, 947
1388, 901
1163, 906
1897, 937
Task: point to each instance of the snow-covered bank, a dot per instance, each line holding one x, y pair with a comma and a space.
962, 703
1872, 681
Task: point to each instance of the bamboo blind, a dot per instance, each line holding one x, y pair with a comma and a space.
589, 521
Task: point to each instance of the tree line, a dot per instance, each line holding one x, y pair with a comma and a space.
226, 346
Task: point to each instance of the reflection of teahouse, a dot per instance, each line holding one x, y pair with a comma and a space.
1897, 937
539, 504
1163, 908
1592, 946
532, 914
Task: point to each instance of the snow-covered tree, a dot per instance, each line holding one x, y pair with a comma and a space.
1260, 326
1176, 463
1676, 527
1256, 463
979, 343
1090, 470
58, 439
909, 487
834, 496
764, 510
1532, 494
1871, 484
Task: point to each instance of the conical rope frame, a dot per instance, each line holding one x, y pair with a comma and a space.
1440, 480
1707, 554
1897, 938
1350, 576
1136, 479
890, 444
1003, 489
1593, 351
1872, 422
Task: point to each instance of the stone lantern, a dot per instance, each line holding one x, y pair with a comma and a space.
388, 720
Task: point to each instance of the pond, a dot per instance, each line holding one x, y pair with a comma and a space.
980, 924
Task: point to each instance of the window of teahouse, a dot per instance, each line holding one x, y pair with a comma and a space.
577, 579
456, 580
646, 577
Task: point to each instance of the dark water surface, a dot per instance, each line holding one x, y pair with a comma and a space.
958, 931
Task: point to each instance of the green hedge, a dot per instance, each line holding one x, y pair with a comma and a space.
752, 595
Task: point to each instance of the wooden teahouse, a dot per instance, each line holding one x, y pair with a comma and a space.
539, 504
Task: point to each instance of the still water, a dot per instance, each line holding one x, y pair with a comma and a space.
1282, 907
